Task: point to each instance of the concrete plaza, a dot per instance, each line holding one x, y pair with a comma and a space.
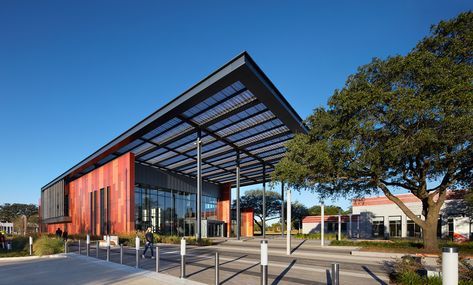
239, 264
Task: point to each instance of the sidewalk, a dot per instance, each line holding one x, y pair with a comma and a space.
78, 269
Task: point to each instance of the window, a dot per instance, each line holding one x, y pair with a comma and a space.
93, 199
413, 230
451, 227
102, 211
170, 212
395, 226
378, 227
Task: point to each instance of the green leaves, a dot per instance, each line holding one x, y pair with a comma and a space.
404, 120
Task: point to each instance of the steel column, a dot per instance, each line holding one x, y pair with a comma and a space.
199, 187
238, 214
264, 201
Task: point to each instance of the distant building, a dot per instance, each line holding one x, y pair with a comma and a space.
379, 218
7, 227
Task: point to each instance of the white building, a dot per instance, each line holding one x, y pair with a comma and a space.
7, 227
378, 217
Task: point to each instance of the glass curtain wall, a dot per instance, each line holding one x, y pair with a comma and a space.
169, 212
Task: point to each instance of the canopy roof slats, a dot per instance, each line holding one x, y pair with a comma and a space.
236, 109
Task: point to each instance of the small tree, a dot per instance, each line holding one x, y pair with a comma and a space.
404, 122
253, 199
328, 210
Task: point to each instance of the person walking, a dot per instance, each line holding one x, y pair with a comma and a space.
149, 243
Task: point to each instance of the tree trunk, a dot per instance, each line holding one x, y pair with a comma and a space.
430, 236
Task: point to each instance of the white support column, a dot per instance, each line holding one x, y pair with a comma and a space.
288, 222
264, 201
282, 209
322, 222
238, 214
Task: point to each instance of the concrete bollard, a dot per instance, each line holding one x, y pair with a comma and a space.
335, 274
31, 245
450, 266
217, 269
137, 249
183, 258
87, 245
121, 253
79, 248
264, 262
97, 249
65, 246
157, 259
108, 248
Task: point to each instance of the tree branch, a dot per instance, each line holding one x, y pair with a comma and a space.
400, 204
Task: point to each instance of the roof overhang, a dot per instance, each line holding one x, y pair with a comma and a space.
236, 108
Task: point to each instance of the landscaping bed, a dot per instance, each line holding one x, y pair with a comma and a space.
404, 246
129, 239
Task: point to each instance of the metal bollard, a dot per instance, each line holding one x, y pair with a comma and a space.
137, 247
79, 248
87, 248
157, 259
97, 249
183, 258
31, 245
217, 269
108, 248
264, 262
335, 274
450, 266
65, 246
121, 253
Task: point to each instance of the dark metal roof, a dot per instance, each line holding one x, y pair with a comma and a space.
236, 108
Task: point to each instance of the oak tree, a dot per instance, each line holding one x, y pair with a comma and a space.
405, 122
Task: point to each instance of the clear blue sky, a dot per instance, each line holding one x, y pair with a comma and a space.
75, 74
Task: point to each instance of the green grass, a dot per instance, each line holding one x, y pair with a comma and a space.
327, 236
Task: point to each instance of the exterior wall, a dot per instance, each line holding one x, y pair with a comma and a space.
224, 206
118, 174
247, 222
370, 211
155, 177
370, 208
312, 224
6, 227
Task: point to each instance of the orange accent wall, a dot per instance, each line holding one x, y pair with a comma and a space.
247, 222
117, 174
223, 207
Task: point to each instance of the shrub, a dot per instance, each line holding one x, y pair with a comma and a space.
381, 244
129, 239
46, 245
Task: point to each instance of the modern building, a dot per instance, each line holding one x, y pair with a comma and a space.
174, 170
6, 227
379, 218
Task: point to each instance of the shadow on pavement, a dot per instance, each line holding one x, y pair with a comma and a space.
374, 275
280, 276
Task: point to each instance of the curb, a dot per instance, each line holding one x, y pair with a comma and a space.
19, 258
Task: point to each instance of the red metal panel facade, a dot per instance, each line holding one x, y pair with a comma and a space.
118, 175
